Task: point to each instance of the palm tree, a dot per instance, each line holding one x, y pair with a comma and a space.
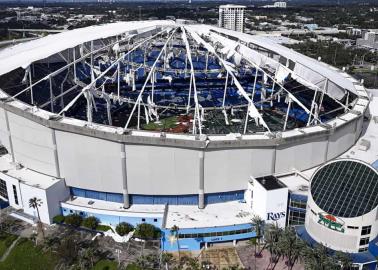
291, 246
319, 258
35, 203
258, 222
272, 236
175, 232
344, 260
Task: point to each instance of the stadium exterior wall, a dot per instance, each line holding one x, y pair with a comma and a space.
92, 159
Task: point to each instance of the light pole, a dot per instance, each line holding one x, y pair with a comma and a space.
118, 251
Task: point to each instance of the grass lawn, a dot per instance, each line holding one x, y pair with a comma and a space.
169, 122
105, 265
25, 256
6, 240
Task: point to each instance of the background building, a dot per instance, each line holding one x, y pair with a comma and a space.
232, 17
369, 39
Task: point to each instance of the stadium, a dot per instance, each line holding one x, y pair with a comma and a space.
151, 121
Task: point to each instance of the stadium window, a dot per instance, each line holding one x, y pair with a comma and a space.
15, 194
298, 204
364, 241
296, 218
143, 220
3, 189
363, 249
366, 230
155, 219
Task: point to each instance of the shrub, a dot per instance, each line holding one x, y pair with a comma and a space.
58, 219
90, 222
133, 266
73, 220
124, 228
103, 228
146, 231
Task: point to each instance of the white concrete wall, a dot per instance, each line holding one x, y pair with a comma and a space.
50, 197
270, 205
90, 163
55, 195
162, 170
32, 144
95, 164
230, 169
347, 241
341, 140
10, 181
29, 192
4, 138
300, 155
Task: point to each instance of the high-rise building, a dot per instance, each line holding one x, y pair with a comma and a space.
280, 4
232, 17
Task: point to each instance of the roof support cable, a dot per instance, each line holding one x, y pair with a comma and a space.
193, 84
189, 94
137, 103
90, 86
51, 96
313, 107
287, 113
216, 36
58, 71
225, 90
31, 87
252, 110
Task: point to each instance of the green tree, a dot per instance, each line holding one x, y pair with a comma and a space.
319, 258
124, 228
90, 222
74, 220
344, 260
146, 231
175, 233
272, 235
35, 203
258, 223
291, 246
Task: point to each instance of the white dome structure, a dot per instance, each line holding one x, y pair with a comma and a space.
343, 205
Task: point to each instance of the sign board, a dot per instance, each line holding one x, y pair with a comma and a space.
331, 222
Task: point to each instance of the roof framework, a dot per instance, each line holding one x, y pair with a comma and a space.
231, 57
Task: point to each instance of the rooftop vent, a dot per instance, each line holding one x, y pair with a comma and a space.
303, 188
364, 145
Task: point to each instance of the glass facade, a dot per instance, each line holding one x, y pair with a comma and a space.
213, 234
297, 210
190, 199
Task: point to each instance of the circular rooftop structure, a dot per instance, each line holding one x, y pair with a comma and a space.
345, 188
